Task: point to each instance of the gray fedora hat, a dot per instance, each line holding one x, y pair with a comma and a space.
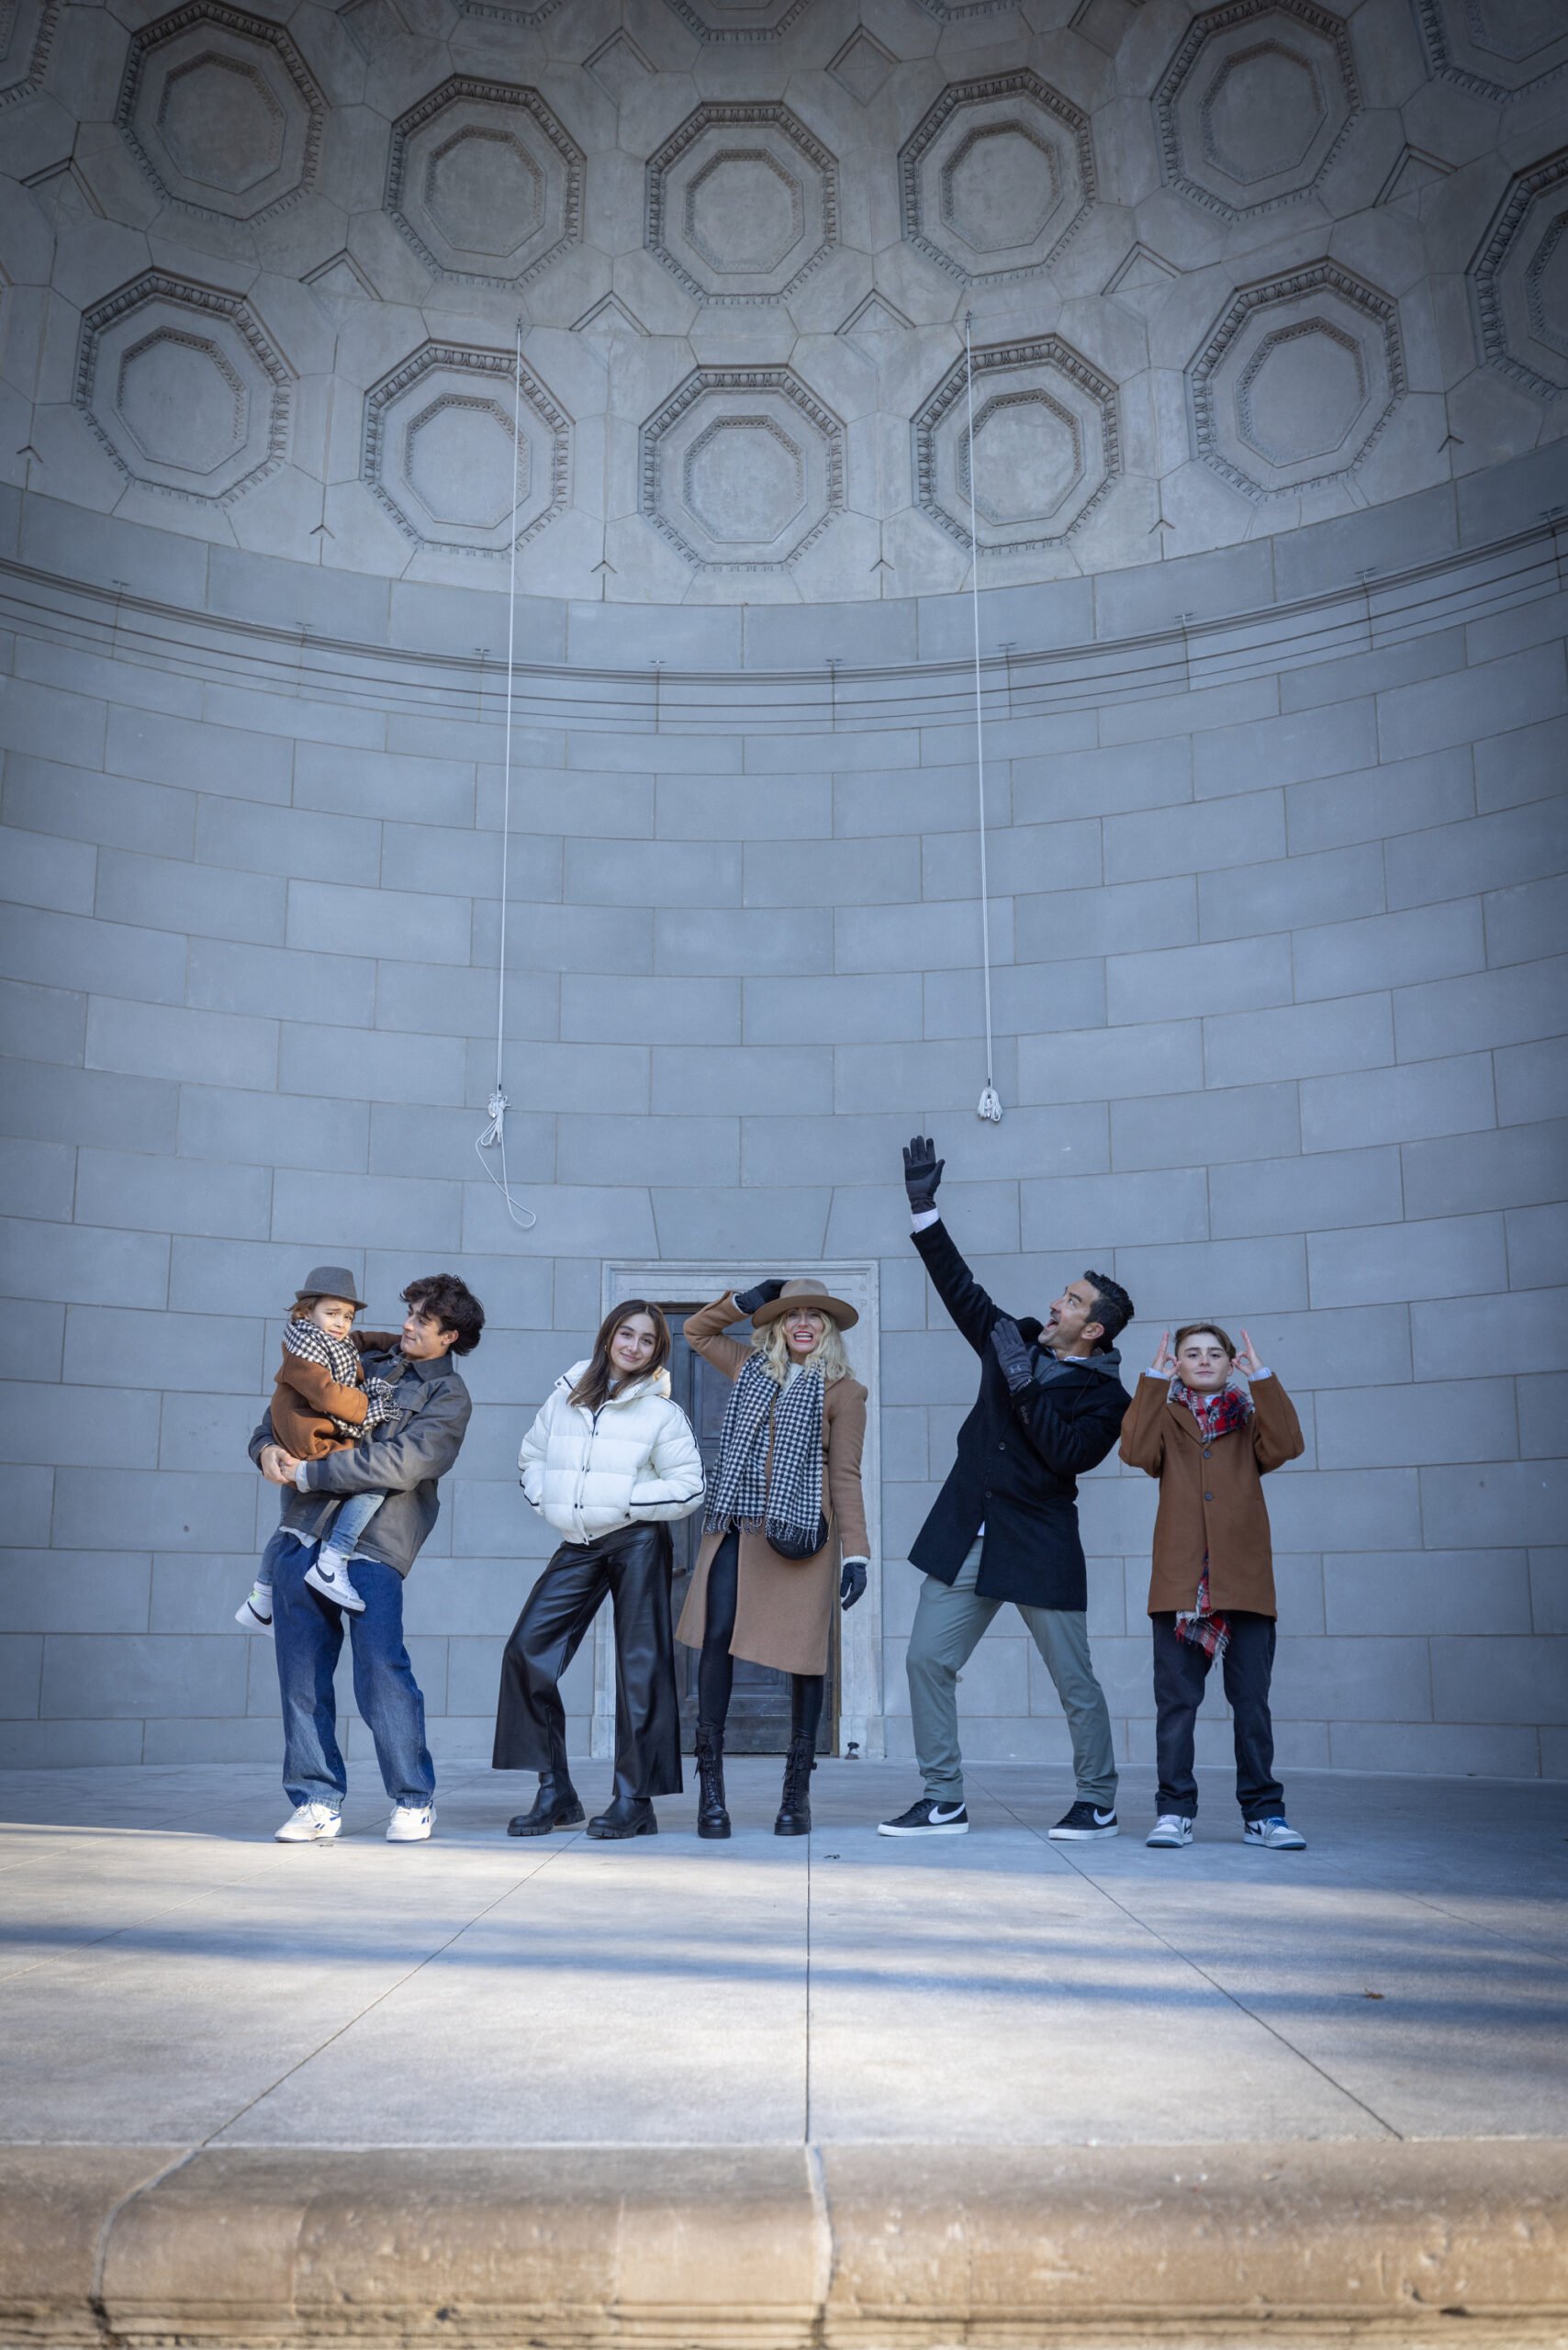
330, 1281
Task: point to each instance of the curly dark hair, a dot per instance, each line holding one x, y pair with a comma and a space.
1112, 1310
451, 1303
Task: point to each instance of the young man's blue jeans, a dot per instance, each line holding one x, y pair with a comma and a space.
308, 1636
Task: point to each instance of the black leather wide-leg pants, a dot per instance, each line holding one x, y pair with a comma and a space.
634, 1565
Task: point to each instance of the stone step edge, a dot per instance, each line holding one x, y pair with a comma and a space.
788, 2247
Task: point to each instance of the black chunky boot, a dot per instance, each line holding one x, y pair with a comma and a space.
626, 1816
795, 1806
713, 1820
557, 1805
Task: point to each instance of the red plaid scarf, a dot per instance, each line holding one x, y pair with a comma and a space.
1216, 1416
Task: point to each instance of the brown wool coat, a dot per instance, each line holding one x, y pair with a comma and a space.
784, 1608
1211, 1498
306, 1399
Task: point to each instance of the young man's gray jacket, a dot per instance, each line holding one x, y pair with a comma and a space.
405, 1459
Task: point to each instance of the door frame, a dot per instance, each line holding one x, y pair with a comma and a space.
861, 1722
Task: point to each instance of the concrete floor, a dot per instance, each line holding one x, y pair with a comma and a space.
168, 1975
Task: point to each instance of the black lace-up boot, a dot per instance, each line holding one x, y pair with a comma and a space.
557, 1805
713, 1820
795, 1806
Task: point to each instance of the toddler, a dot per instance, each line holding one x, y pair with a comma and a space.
321, 1402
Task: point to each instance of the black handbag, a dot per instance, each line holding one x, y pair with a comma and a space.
797, 1546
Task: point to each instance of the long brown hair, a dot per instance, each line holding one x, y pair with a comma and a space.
593, 1388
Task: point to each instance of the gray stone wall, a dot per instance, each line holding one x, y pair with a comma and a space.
1278, 1007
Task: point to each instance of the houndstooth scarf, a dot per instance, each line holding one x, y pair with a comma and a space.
339, 1356
745, 1489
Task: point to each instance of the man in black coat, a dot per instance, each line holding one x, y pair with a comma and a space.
1004, 1526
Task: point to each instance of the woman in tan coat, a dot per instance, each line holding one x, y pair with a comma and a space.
785, 1533
1210, 1438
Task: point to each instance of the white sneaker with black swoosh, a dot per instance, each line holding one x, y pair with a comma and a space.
928, 1819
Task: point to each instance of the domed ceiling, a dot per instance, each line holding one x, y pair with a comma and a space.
1225, 270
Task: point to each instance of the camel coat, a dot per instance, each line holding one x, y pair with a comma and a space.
784, 1608
306, 1399
1211, 1496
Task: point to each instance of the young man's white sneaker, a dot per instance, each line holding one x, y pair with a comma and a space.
410, 1824
1277, 1834
255, 1611
329, 1574
1171, 1831
311, 1823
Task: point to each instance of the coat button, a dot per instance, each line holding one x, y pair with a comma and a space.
1208, 1497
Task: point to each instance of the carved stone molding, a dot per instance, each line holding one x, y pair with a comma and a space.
1255, 104
1519, 281
1296, 380
862, 65
440, 453
221, 112
738, 20
996, 176
510, 12
484, 183
182, 386
742, 468
1495, 48
742, 203
28, 32
1046, 446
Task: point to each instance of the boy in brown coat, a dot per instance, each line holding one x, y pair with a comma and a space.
1210, 1438
322, 1401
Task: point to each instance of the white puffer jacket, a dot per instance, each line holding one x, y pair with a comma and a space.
633, 1461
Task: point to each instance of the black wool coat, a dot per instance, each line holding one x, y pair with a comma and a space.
1019, 1457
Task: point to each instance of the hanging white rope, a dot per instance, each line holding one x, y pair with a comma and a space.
989, 1106
495, 1134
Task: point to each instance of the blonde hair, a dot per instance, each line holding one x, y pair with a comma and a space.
827, 1356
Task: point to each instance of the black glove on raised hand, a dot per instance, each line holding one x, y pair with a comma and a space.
852, 1583
922, 1173
748, 1300
1011, 1351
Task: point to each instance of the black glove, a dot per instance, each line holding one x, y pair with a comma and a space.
922, 1173
748, 1300
1011, 1351
852, 1583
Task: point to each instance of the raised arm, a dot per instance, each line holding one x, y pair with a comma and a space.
1143, 1430
705, 1334
670, 1484
973, 1313
1071, 1424
425, 1448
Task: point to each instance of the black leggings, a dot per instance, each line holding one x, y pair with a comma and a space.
716, 1667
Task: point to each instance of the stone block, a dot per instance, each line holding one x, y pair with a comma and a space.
1379, 802
415, 1141
21, 1669
1532, 1080
150, 1510
1500, 1680
323, 915
672, 1010
1408, 1103
1198, 1129
272, 1129
939, 1077
492, 1521
299, 843
613, 1218
1025, 859
136, 1676
142, 1193
922, 937
1236, 1279
157, 747
106, 811
1027, 999
460, 864
1065, 924
665, 874
877, 871
168, 894
75, 1591
874, 1008
1543, 1411
678, 1151
444, 999
245, 1277
1434, 1421
1121, 1211
1200, 837
703, 806
1526, 763
69, 951
37, 1338
1109, 1064
1530, 1325
1442, 1747
1306, 1194
1390, 950
936, 799
1427, 1591
372, 1212
39, 870
68, 726
38, 1179
1448, 1257
1272, 752
1466, 705
356, 1065
742, 1080
75, 1263
1152, 597
1488, 1008
41, 1023
1367, 1679
91, 1427
1548, 1590
1201, 980
547, 1077
604, 939
393, 786
1141, 720
1538, 1246
1487, 853
1113, 781
751, 1224
160, 1040
1508, 1167
26, 1500
204, 1432
1509, 1502
88, 1105
1293, 892
287, 982
1298, 1040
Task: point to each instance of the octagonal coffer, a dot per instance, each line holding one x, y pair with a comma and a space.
996, 176
1296, 381
742, 203
738, 20
1495, 48
1519, 281
221, 112
28, 29
485, 182
441, 455
182, 386
1255, 104
1045, 449
742, 468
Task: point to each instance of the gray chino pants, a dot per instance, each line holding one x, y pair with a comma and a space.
949, 1620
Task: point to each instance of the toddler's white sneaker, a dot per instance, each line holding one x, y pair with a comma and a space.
255, 1611
329, 1574
311, 1823
410, 1824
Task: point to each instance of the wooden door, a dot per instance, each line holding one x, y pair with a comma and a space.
760, 1704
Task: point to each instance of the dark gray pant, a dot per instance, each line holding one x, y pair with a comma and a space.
1181, 1674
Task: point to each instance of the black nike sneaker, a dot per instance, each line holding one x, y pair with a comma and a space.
1084, 1824
928, 1819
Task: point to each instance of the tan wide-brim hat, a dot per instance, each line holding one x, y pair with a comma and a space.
807, 1293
